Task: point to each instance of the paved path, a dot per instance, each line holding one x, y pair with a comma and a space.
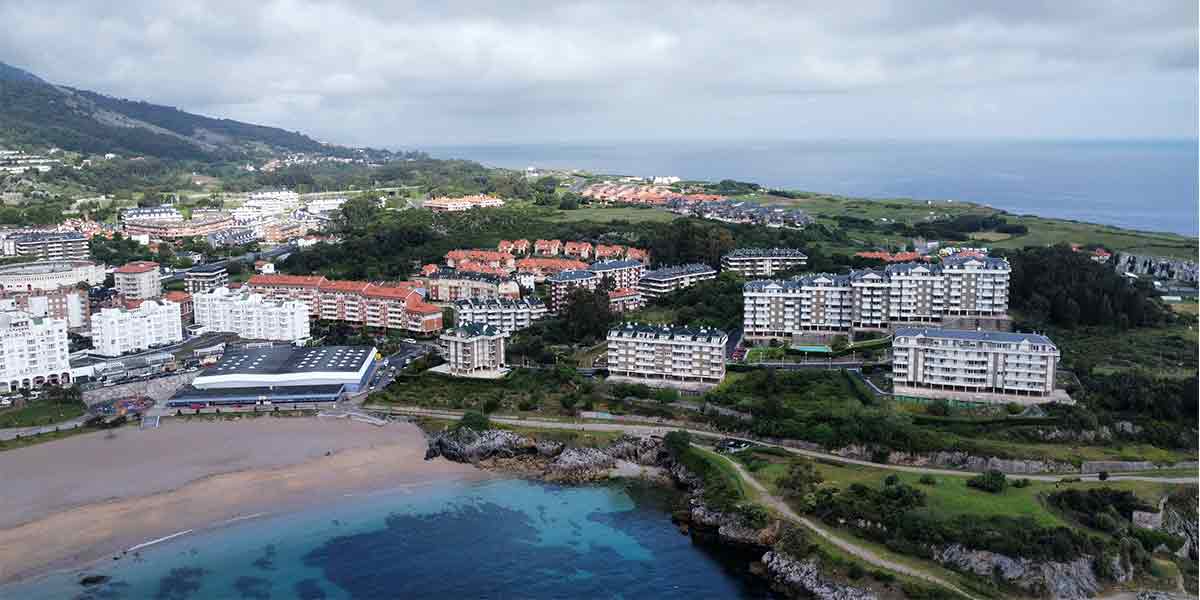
12, 433
865, 554
664, 429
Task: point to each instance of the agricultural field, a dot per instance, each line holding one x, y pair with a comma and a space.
616, 213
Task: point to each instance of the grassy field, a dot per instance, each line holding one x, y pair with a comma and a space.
1168, 351
652, 314
950, 496
39, 412
615, 213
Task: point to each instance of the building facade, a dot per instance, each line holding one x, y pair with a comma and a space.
448, 286
872, 299
393, 305
67, 303
473, 348
251, 316
50, 274
64, 245
503, 314
620, 273
656, 352
199, 226
974, 365
117, 331
138, 280
562, 284
462, 204
763, 262
33, 351
661, 282
625, 300
205, 277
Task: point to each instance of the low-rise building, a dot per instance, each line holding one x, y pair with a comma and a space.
623, 300
446, 285
541, 267
504, 314
139, 280
464, 203
763, 262
661, 282
152, 213
205, 277
251, 316
50, 274
620, 273
473, 349
491, 258
547, 247
580, 250
33, 351
562, 284
985, 366
669, 354
154, 323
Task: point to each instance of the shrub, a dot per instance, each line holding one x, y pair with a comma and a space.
928, 479
491, 405
1014, 408
794, 542
892, 479
526, 404
991, 481
938, 408
1103, 476
677, 442
666, 396
568, 402
475, 420
855, 571
1105, 522
1023, 482
1151, 539
802, 478
752, 515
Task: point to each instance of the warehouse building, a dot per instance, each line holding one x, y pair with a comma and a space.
281, 374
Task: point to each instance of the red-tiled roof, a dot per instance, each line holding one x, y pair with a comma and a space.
177, 296
311, 281
622, 293
141, 266
335, 285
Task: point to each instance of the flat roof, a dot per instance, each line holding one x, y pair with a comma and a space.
278, 360
972, 335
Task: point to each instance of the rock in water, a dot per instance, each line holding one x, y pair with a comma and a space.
90, 580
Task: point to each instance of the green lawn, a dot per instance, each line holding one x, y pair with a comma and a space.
39, 412
652, 314
615, 213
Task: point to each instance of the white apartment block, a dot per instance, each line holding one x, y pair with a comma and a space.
664, 281
260, 205
251, 316
325, 205
138, 280
974, 366
152, 324
763, 262
33, 351
655, 352
472, 349
503, 314
68, 303
968, 286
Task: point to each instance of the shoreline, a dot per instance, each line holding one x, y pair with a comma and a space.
73, 536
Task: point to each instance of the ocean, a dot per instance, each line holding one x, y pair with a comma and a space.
490, 539
1145, 185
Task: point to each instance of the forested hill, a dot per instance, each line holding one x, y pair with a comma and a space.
34, 112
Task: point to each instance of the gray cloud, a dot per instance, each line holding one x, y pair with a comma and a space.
415, 73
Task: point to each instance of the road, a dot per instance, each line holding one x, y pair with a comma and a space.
865, 554
14, 432
663, 430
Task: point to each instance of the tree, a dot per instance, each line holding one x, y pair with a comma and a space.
993, 481
666, 396
678, 442
839, 343
474, 420
570, 201
802, 478
358, 213
586, 314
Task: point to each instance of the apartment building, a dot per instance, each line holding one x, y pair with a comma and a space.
187, 308
446, 285
202, 278
393, 305
50, 274
625, 300
138, 280
491, 258
873, 299
562, 284
464, 203
154, 323
151, 213
504, 314
580, 250
661, 282
251, 316
197, 226
668, 354
57, 245
67, 303
541, 267
33, 351
763, 262
473, 349
621, 273
967, 365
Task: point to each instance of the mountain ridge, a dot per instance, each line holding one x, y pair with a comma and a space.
36, 113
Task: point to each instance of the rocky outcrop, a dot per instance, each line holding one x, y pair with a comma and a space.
580, 464
1181, 523
802, 578
1060, 580
1116, 466
466, 445
961, 461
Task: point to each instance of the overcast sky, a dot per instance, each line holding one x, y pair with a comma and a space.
404, 74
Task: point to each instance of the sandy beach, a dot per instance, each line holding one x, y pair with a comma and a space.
69, 502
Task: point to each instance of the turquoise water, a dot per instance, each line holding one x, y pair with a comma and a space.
496, 539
